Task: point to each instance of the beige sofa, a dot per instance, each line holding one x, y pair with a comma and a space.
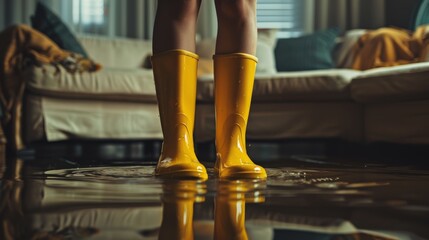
380, 105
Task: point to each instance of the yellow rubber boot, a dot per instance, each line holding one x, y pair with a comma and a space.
234, 78
175, 74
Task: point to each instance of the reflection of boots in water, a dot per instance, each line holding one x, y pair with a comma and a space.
178, 209
230, 208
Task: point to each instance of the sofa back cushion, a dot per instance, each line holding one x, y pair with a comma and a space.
117, 52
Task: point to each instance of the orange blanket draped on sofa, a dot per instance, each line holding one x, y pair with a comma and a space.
21, 46
387, 47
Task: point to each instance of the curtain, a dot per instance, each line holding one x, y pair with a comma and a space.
349, 14
17, 11
207, 21
124, 18
134, 18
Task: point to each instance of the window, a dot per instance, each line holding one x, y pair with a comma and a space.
88, 12
114, 18
90, 16
291, 17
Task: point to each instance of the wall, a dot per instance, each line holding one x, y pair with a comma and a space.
399, 12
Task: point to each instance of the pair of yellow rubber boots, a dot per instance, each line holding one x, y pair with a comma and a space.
175, 73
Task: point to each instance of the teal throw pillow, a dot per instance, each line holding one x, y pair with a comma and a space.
310, 52
47, 22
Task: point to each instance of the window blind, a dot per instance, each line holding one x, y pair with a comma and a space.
288, 16
88, 12
89, 16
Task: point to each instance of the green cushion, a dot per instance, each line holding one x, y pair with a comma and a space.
311, 52
47, 22
422, 14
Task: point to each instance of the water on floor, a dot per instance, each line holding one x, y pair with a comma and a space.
307, 201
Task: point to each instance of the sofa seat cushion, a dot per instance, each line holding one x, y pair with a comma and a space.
303, 120
397, 122
391, 84
321, 85
56, 119
107, 84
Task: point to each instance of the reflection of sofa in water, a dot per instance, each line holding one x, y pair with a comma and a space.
148, 211
308, 228
139, 223
64, 209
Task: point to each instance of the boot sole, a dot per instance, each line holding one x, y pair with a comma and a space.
242, 175
184, 175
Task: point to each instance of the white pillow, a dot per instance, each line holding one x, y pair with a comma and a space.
267, 61
264, 52
206, 48
268, 36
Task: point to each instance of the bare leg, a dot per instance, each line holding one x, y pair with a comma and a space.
237, 26
175, 25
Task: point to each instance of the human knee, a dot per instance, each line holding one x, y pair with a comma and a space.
236, 9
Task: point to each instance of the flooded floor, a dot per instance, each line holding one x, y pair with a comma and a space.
302, 199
